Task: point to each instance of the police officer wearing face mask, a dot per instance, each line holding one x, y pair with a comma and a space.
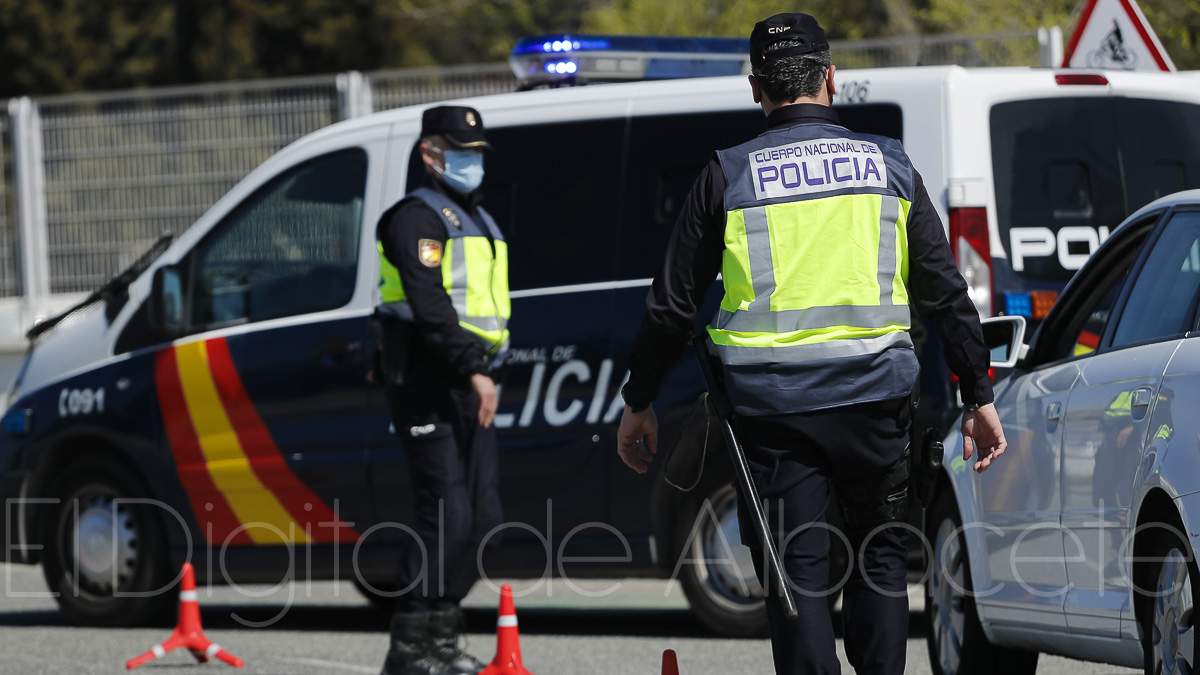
445, 305
825, 240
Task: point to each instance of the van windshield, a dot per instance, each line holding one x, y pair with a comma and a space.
1068, 171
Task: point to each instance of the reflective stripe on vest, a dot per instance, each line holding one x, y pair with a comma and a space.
815, 267
474, 272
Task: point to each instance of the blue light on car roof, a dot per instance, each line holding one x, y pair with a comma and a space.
622, 58
631, 43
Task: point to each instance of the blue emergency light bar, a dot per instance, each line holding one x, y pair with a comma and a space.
564, 59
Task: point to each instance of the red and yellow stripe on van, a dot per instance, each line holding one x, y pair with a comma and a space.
237, 482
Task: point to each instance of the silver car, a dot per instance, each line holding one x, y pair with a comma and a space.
1080, 539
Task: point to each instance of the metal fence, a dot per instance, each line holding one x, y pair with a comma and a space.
121, 168
1018, 48
398, 88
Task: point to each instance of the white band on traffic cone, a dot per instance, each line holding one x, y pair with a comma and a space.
188, 596
158, 651
212, 650
507, 621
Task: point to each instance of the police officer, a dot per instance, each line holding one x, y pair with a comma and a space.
445, 305
824, 239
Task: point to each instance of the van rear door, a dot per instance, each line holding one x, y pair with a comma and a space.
1069, 170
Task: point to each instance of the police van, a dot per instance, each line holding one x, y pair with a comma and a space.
215, 404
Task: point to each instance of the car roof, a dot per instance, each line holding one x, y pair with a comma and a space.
1186, 197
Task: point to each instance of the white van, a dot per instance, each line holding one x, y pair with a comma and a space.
253, 326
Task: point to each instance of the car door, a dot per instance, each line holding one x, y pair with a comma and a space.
1021, 503
1108, 417
263, 402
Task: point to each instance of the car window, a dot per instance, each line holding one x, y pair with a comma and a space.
1058, 190
1161, 301
290, 248
1077, 324
555, 191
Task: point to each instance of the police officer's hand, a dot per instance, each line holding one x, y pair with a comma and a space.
634, 451
485, 389
982, 432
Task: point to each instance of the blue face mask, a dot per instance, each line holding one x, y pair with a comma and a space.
464, 170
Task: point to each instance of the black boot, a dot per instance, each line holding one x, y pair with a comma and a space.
411, 649
444, 629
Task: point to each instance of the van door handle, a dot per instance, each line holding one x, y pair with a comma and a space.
1141, 397
1054, 412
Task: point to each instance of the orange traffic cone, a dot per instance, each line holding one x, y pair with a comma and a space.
188, 632
508, 646
670, 664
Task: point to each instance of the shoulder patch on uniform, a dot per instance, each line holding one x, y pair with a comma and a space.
430, 252
451, 216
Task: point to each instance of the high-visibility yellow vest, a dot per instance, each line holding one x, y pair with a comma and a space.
816, 308
474, 266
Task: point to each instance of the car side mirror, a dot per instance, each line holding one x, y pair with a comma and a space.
165, 309
1005, 339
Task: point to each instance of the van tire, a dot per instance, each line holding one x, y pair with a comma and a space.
138, 546
946, 607
712, 590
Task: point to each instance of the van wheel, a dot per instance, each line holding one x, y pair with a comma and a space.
955, 639
724, 593
108, 547
1169, 622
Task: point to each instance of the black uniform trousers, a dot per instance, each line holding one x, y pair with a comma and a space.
455, 487
793, 460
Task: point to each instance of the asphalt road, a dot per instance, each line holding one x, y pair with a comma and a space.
328, 628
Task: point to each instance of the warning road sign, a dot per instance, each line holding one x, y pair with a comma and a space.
1115, 34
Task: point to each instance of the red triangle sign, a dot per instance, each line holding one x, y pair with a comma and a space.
1115, 35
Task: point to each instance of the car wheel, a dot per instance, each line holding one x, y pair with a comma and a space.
1168, 628
956, 641
106, 560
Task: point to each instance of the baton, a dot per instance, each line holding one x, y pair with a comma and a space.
724, 412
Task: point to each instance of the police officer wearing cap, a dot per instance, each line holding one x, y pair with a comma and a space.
442, 319
825, 240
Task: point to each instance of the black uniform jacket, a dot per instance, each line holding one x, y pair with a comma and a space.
936, 287
437, 345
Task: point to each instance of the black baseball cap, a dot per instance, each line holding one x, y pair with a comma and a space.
791, 27
459, 125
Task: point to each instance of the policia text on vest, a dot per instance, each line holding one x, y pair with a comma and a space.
826, 242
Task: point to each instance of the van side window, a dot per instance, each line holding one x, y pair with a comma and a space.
555, 191
290, 248
667, 152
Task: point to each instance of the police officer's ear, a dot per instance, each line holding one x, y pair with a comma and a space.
431, 154
755, 89
829, 85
